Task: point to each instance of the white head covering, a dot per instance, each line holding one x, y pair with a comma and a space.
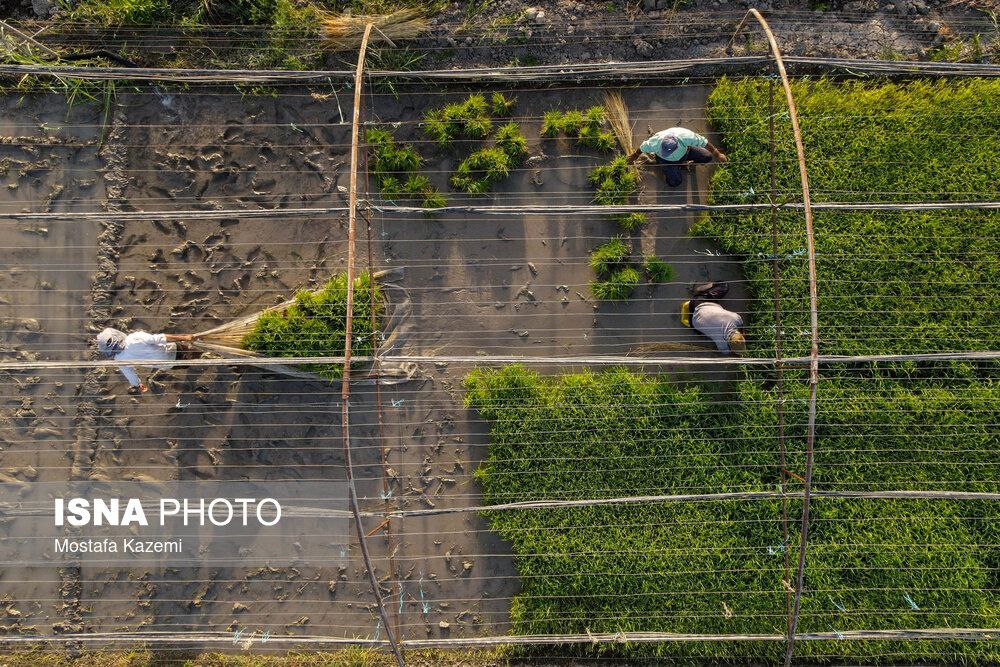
110, 342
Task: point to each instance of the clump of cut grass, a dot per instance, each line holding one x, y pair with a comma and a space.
501, 105
616, 287
476, 173
658, 271
632, 221
614, 182
609, 257
469, 119
315, 324
395, 169
122, 12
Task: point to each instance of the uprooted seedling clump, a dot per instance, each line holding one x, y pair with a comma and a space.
658, 271
612, 255
587, 127
476, 173
469, 119
395, 169
314, 325
614, 182
631, 221
616, 271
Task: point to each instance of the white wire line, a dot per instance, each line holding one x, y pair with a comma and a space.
626, 500
226, 638
638, 115
607, 360
214, 621
582, 209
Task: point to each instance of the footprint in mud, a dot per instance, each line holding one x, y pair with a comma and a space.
233, 131
267, 154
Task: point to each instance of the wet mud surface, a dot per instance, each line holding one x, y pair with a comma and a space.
490, 285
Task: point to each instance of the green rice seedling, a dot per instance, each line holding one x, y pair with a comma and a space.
594, 118
477, 127
512, 142
469, 119
475, 105
314, 325
602, 140
390, 186
585, 126
616, 287
632, 221
394, 168
438, 129
502, 106
614, 182
388, 158
609, 257
658, 271
476, 173
551, 124
571, 123
420, 187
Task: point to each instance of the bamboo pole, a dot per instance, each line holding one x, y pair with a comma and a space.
345, 386
814, 328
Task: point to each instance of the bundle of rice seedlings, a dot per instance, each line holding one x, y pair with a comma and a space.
344, 31
617, 114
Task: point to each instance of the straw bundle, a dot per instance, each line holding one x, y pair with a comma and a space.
617, 114
231, 334
344, 31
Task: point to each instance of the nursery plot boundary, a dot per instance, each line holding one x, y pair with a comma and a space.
712, 67
563, 209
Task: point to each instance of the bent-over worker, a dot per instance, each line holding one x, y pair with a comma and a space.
705, 314
139, 346
676, 147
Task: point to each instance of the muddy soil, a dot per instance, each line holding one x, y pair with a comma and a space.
49, 163
473, 285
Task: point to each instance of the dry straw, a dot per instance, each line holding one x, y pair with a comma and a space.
617, 114
344, 31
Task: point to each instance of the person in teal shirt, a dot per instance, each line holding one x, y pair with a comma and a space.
675, 147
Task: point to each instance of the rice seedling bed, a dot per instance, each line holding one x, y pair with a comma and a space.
889, 282
717, 568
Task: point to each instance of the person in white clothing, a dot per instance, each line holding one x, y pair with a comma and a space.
139, 346
706, 315
721, 325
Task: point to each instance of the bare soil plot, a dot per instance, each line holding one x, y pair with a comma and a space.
48, 162
475, 284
